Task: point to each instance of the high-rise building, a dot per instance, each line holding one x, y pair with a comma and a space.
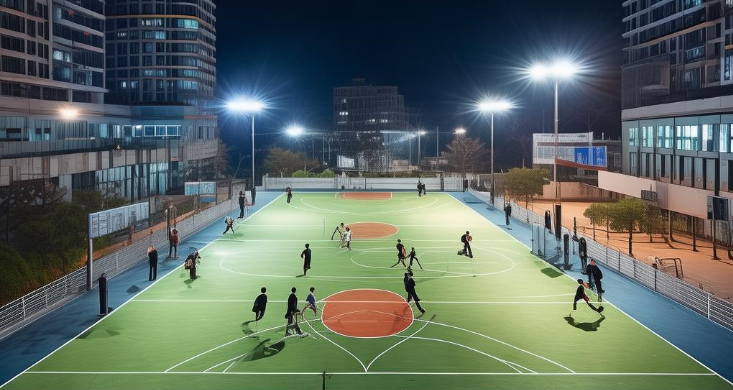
677, 93
362, 107
54, 123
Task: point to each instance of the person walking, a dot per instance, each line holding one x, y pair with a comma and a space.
260, 304
340, 229
153, 262
466, 240
290, 193
242, 202
306, 256
400, 254
310, 303
347, 238
292, 315
580, 294
413, 257
594, 278
507, 212
411, 293
173, 244
229, 221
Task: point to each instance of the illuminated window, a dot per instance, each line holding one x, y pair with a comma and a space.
343, 113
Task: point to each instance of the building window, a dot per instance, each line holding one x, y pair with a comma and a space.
724, 138
708, 138
343, 113
687, 137
647, 136
665, 137
633, 136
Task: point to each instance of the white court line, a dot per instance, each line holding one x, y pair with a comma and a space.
338, 345
373, 373
126, 302
398, 343
400, 303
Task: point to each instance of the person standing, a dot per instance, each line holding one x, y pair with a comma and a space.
242, 202
413, 257
419, 188
466, 240
260, 304
400, 254
347, 237
423, 189
411, 293
173, 244
594, 278
229, 221
306, 256
153, 262
292, 314
310, 303
190, 264
340, 229
290, 193
507, 212
254, 192
580, 294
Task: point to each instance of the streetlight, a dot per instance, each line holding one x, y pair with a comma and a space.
295, 130
559, 70
459, 131
419, 133
493, 106
248, 107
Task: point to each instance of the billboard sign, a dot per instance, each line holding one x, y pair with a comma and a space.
543, 146
114, 220
345, 162
593, 156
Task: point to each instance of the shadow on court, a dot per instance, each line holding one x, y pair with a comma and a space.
586, 326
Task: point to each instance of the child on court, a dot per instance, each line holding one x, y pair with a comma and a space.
347, 238
413, 257
229, 221
310, 303
580, 294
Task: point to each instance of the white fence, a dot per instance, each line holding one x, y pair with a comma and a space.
448, 183
704, 303
26, 309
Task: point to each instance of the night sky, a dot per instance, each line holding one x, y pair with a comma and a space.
443, 56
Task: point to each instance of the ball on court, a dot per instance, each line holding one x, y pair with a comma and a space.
600, 309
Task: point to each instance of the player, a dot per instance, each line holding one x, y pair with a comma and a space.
292, 315
306, 256
347, 237
340, 229
594, 278
260, 304
507, 212
419, 189
229, 221
466, 240
411, 293
580, 294
191, 262
400, 254
290, 193
310, 303
413, 257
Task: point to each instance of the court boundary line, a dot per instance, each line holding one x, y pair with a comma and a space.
373, 373
616, 307
125, 302
398, 343
424, 301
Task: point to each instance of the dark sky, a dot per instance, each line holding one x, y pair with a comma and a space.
443, 55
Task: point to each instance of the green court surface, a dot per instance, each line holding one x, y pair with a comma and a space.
499, 320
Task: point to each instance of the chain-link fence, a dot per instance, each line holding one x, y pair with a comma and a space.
445, 183
702, 302
26, 309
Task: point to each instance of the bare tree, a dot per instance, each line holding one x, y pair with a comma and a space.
466, 154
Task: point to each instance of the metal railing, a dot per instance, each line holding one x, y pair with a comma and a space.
447, 183
28, 308
702, 302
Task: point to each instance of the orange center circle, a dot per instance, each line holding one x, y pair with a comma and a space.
362, 230
366, 313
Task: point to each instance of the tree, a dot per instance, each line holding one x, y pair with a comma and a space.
525, 182
466, 154
597, 214
284, 162
627, 214
653, 222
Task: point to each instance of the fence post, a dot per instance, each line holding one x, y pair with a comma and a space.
655, 279
708, 305
22, 305
634, 268
619, 261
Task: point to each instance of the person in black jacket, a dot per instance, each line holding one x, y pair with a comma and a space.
242, 201
411, 293
260, 304
419, 189
507, 212
466, 240
594, 277
306, 256
290, 193
400, 254
292, 315
153, 262
580, 294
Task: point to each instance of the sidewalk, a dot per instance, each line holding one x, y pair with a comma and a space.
699, 268
697, 336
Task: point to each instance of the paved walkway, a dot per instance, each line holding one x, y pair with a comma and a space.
699, 267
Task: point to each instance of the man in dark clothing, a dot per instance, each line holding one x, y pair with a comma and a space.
507, 212
290, 193
580, 294
411, 294
413, 257
292, 315
466, 240
419, 189
306, 256
423, 189
594, 277
242, 200
254, 192
190, 264
260, 304
400, 254
153, 261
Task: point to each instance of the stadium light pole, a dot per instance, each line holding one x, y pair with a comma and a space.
493, 106
248, 107
558, 71
419, 134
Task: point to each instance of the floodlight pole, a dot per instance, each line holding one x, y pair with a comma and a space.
253, 150
492, 158
418, 150
554, 162
90, 253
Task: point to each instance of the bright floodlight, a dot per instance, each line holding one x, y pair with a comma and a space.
421, 132
494, 106
295, 130
69, 113
245, 106
459, 130
560, 69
